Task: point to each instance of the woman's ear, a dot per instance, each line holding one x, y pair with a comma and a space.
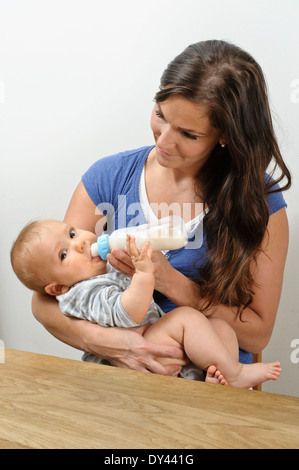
56, 289
223, 141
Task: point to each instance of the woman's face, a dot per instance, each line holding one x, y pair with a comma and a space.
183, 134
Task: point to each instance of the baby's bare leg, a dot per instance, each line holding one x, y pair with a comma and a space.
189, 329
229, 340
170, 329
169, 332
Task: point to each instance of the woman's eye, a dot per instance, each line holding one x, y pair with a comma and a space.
189, 136
159, 115
63, 255
72, 233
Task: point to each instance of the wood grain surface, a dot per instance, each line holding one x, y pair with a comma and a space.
53, 403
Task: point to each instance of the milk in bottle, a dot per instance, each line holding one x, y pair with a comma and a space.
168, 233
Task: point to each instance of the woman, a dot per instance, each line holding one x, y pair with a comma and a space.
214, 141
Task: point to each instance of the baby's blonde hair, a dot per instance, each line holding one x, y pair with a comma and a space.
21, 257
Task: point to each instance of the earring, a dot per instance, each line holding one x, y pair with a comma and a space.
222, 145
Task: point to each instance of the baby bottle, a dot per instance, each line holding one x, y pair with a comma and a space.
168, 233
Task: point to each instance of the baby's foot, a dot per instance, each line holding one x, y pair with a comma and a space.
214, 376
254, 374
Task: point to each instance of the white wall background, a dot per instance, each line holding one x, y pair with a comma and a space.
77, 80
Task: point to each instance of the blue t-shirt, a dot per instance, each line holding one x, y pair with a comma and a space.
113, 185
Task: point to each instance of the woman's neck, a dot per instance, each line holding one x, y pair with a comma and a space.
171, 189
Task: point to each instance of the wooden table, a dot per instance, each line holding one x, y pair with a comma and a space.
49, 402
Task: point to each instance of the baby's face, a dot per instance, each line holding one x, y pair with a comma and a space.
65, 254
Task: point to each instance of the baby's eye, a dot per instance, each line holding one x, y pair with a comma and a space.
72, 233
63, 255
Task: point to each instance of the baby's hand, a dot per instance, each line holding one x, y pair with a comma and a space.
141, 259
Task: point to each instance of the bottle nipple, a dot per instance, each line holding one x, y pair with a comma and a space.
94, 250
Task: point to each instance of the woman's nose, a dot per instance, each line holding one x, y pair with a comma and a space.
166, 138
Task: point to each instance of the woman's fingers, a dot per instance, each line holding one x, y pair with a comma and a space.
122, 262
149, 366
142, 354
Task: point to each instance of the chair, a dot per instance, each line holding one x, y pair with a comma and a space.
257, 358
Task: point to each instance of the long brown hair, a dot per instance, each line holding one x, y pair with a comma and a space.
230, 84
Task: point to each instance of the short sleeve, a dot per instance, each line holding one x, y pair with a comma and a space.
275, 200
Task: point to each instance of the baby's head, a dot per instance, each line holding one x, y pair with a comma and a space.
50, 256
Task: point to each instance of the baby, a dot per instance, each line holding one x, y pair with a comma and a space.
54, 258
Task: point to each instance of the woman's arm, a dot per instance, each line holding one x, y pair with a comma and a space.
82, 212
123, 347
255, 327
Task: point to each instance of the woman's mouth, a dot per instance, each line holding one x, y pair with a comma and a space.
163, 153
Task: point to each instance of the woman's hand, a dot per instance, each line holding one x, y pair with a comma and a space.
162, 272
126, 348
122, 347
121, 261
